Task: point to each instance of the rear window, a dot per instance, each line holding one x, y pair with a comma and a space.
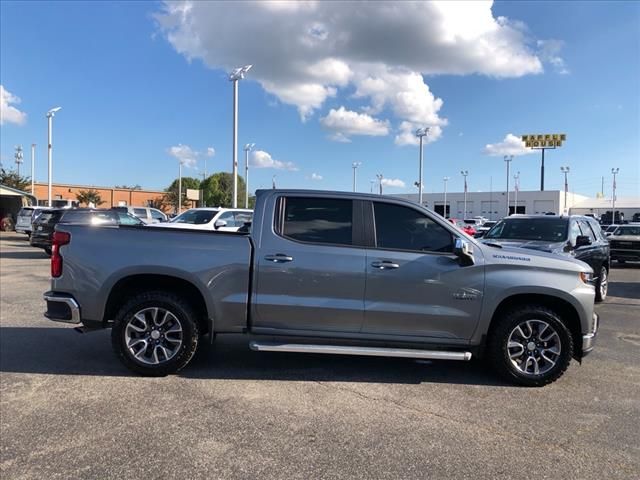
89, 217
318, 220
542, 229
48, 217
140, 212
25, 212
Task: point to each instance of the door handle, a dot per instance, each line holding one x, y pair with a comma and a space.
385, 265
279, 258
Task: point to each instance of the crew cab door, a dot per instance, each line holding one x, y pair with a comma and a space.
310, 270
416, 286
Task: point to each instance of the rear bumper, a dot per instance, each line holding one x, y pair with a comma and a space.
62, 307
589, 340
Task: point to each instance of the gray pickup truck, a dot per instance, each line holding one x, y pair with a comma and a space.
326, 272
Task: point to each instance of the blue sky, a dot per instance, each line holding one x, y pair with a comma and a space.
133, 82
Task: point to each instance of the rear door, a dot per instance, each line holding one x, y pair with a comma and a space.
594, 254
310, 267
415, 286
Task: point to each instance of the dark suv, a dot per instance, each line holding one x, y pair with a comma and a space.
577, 236
45, 223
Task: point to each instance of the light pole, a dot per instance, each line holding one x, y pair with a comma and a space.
273, 182
464, 173
179, 186
50, 114
614, 172
516, 187
380, 177
355, 166
565, 170
237, 74
508, 159
421, 133
18, 157
33, 166
247, 148
446, 179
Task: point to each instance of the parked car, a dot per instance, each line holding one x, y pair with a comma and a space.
576, 236
484, 228
219, 219
466, 228
326, 272
59, 203
625, 243
44, 225
146, 214
25, 218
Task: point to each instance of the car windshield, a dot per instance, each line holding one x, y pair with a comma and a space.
542, 229
627, 230
195, 217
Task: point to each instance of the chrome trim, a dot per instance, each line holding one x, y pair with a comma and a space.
589, 340
73, 306
367, 351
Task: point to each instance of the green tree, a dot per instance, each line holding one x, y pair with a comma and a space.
10, 178
218, 190
89, 196
170, 198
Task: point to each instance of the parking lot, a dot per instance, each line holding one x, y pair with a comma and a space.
69, 409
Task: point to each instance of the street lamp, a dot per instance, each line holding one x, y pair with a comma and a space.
421, 133
237, 74
464, 173
372, 182
50, 114
516, 188
614, 172
508, 159
355, 166
446, 179
18, 157
247, 148
565, 170
179, 186
33, 167
380, 177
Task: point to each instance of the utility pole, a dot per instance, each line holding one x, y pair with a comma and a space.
491, 198
50, 114
247, 148
179, 186
18, 157
516, 187
235, 76
614, 171
33, 167
379, 177
508, 159
446, 179
355, 166
565, 170
421, 133
372, 182
464, 173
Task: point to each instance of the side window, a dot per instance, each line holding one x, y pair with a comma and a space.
157, 215
140, 212
586, 230
318, 220
574, 231
228, 217
403, 228
126, 219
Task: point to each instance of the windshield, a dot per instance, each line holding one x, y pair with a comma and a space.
195, 217
626, 231
542, 229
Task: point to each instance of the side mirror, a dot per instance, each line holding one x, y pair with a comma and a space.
463, 251
220, 223
582, 240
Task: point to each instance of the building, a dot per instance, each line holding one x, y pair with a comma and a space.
111, 196
493, 205
627, 208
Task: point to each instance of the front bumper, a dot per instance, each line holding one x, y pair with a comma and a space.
589, 340
62, 307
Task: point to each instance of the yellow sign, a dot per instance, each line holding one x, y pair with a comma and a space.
547, 140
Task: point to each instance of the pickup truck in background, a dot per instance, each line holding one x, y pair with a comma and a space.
325, 272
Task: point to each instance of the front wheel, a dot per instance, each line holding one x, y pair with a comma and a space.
531, 346
155, 333
602, 285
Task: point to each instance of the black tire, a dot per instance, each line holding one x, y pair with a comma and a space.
499, 354
182, 312
602, 285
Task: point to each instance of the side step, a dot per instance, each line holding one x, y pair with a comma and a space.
367, 351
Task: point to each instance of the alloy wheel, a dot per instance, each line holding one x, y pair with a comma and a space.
153, 335
534, 347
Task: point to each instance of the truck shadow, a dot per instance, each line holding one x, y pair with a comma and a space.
624, 290
26, 255
61, 351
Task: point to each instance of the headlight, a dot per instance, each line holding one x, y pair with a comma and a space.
586, 277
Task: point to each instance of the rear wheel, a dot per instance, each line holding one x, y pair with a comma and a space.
602, 285
531, 346
155, 333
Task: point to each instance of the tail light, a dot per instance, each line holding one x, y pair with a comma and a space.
58, 239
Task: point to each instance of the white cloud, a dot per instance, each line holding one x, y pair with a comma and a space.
393, 182
184, 154
511, 145
211, 151
262, 159
315, 176
305, 52
345, 123
9, 113
549, 51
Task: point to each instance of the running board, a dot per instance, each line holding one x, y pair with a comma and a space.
367, 351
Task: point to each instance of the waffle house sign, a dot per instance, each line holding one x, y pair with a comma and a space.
547, 140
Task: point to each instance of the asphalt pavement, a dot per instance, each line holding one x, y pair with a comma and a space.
69, 409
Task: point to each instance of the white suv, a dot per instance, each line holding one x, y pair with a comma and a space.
218, 219
146, 214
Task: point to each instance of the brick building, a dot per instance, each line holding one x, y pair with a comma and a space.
112, 197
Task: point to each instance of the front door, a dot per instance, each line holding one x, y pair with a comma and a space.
415, 285
310, 273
